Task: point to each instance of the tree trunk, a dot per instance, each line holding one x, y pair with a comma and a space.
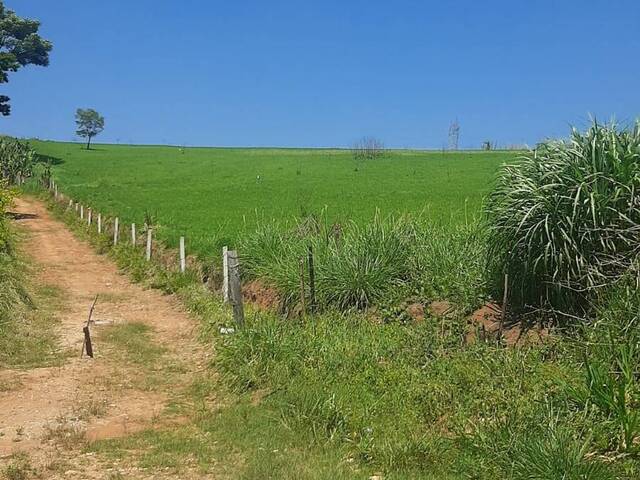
88, 142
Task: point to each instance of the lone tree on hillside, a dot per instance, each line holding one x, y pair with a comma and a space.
90, 123
20, 45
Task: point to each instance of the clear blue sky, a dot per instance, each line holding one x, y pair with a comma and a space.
324, 73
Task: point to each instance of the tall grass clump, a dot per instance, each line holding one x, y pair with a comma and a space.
361, 265
564, 220
355, 266
12, 291
610, 349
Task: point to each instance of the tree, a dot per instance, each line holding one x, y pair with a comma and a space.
90, 123
20, 45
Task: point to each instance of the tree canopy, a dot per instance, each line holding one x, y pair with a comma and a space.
90, 123
20, 45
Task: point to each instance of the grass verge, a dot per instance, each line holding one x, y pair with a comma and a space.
337, 395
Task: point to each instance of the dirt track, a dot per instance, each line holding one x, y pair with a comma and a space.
66, 398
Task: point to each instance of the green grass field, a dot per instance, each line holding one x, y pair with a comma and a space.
213, 195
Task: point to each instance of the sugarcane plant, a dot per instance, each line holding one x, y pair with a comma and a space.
564, 220
16, 160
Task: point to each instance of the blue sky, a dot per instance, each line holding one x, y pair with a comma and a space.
324, 73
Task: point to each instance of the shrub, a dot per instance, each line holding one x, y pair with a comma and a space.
564, 220
16, 159
357, 266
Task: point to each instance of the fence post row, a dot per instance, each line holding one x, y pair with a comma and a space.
225, 274
235, 288
149, 233
183, 259
231, 286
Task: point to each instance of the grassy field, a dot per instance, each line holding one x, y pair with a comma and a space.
213, 195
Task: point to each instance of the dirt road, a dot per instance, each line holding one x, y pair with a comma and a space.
52, 411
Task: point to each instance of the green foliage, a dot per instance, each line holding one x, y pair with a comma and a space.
89, 124
16, 159
360, 266
545, 450
20, 45
611, 352
26, 336
564, 219
12, 292
412, 401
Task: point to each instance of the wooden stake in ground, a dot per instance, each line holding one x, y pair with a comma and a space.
505, 298
99, 223
133, 234
77, 205
86, 344
302, 295
183, 260
89, 215
70, 204
225, 274
116, 229
312, 282
235, 288
149, 235
81, 212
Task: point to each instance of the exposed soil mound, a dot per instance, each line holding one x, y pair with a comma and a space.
440, 308
485, 323
261, 295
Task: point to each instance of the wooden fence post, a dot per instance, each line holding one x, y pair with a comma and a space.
99, 223
70, 204
505, 299
225, 274
183, 259
235, 288
81, 212
312, 282
115, 232
133, 234
76, 207
89, 215
302, 292
149, 234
